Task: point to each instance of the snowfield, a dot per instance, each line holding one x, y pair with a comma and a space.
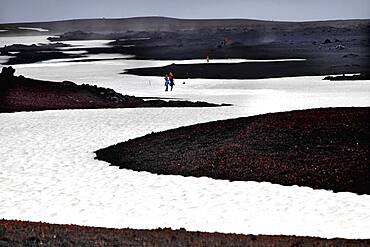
49, 174
48, 171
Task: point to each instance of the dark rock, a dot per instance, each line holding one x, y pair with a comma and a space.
7, 71
68, 83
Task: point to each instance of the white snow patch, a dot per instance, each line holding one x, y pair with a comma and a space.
34, 29
4, 59
85, 44
78, 52
25, 40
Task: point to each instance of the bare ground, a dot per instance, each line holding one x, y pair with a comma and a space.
22, 233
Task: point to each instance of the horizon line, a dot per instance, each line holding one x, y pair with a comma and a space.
181, 18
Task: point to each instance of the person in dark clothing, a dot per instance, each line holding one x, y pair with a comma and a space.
172, 83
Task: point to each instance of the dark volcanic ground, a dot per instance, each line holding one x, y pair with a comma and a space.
18, 233
250, 70
329, 47
18, 93
321, 148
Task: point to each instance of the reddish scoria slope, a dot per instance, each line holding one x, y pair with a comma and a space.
319, 148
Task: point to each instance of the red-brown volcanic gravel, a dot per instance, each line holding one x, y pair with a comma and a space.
18, 93
319, 148
20, 233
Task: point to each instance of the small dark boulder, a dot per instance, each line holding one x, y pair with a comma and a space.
68, 83
327, 41
7, 71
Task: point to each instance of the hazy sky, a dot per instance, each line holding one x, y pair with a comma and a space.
297, 10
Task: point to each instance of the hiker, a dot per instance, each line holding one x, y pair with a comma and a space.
166, 82
171, 81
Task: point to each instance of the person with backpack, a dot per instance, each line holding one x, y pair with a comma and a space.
172, 83
166, 82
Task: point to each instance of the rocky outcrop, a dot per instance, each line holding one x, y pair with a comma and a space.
7, 72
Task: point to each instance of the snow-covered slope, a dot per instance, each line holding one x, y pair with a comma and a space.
48, 173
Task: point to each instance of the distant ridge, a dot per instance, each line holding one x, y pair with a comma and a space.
156, 23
